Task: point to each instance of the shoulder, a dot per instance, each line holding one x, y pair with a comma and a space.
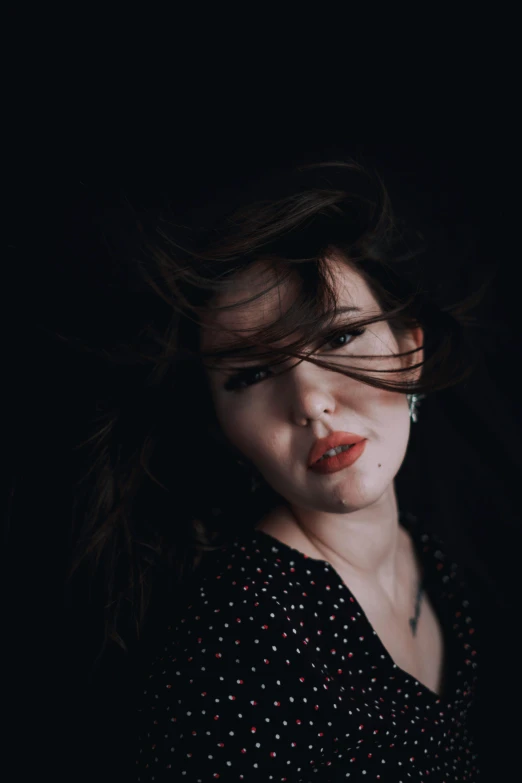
234, 686
231, 685
231, 611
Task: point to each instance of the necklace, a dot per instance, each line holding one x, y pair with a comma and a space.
413, 620
408, 520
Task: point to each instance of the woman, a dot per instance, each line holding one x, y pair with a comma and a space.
309, 629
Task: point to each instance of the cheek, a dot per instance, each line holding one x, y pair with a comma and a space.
263, 445
394, 433
387, 407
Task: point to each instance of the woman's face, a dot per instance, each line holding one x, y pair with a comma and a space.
275, 421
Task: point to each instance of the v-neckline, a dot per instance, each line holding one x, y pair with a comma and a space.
410, 523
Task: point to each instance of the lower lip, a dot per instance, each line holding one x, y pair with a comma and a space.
339, 461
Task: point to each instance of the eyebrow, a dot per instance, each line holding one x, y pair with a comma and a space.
223, 360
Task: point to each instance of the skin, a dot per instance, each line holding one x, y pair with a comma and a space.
348, 518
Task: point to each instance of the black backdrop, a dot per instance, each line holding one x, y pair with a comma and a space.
463, 467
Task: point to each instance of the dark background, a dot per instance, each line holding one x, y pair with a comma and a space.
463, 471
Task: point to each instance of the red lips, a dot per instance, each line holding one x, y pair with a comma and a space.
331, 442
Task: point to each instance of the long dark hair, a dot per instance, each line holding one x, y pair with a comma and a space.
141, 523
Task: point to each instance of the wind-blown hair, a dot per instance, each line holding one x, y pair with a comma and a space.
143, 519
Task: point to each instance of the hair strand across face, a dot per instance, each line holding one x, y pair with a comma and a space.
144, 524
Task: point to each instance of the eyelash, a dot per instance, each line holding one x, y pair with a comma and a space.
233, 383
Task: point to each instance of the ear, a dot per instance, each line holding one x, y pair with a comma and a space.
413, 340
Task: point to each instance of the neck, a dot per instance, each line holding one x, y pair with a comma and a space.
367, 547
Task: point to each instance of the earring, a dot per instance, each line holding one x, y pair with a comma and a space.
413, 402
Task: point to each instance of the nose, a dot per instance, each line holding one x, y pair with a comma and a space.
309, 392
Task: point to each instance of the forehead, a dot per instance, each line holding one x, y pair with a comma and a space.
351, 290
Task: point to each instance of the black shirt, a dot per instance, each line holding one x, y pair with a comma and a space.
271, 671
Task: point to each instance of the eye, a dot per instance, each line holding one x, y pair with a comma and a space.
235, 382
246, 378
338, 335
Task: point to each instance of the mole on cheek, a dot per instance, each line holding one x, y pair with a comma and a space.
379, 465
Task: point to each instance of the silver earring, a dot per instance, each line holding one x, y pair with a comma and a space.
413, 402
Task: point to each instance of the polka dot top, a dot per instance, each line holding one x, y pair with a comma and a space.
271, 671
